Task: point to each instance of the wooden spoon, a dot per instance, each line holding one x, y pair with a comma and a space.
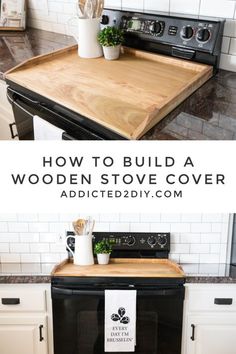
79, 226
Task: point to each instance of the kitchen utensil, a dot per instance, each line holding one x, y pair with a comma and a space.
94, 3
79, 226
80, 6
88, 9
100, 8
92, 228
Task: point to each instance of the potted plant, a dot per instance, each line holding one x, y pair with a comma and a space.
111, 39
103, 250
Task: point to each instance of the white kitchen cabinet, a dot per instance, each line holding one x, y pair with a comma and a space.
25, 319
211, 334
23, 335
6, 114
209, 324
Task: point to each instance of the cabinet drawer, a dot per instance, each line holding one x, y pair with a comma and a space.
216, 300
22, 300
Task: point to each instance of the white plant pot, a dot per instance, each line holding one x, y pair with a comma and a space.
103, 258
112, 53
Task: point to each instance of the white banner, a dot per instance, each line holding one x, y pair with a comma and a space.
165, 176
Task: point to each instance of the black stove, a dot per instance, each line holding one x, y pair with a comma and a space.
79, 302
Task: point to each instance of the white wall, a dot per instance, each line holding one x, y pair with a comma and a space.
32, 238
52, 15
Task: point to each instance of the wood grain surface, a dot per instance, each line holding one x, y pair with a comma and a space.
128, 96
140, 268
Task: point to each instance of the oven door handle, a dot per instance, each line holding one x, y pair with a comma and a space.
13, 102
21, 95
91, 292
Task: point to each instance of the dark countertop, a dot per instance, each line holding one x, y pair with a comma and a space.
208, 114
16, 47
36, 273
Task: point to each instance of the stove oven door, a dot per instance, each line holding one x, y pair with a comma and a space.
78, 317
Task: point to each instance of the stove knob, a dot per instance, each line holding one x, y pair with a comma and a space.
203, 35
131, 241
155, 27
105, 20
187, 32
162, 241
152, 241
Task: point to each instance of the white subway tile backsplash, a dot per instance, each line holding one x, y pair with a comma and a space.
30, 258
8, 217
170, 217
50, 258
189, 258
114, 4
160, 5
201, 227
192, 236
232, 49
209, 258
29, 237
4, 247
39, 247
3, 227
38, 227
27, 217
133, 4
225, 45
180, 227
160, 227
139, 227
185, 6
211, 238
228, 62
191, 217
10, 258
19, 247
18, 227
9, 237
217, 8
200, 248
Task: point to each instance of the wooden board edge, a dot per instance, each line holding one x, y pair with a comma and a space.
39, 59
15, 29
156, 57
200, 79
59, 266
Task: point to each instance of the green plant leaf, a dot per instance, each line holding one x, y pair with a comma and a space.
111, 36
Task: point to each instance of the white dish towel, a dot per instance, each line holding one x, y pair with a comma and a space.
45, 131
120, 320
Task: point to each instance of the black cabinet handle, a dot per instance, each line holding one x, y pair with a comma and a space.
193, 332
221, 301
13, 135
41, 333
10, 301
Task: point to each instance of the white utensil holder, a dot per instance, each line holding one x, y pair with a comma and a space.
83, 253
89, 46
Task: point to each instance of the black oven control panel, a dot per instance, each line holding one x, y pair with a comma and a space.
136, 241
127, 241
188, 38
